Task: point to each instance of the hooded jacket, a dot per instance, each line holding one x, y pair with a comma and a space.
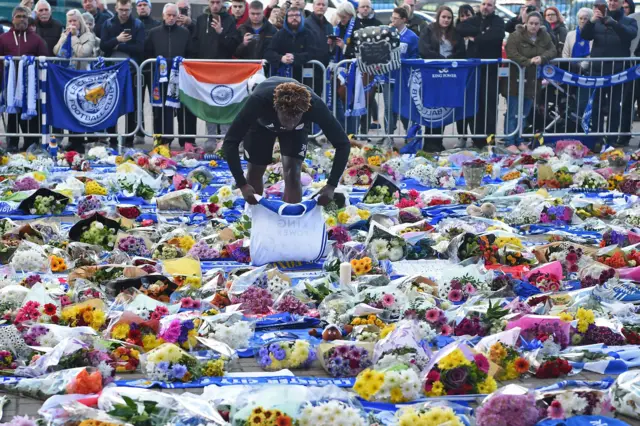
50, 32
245, 16
488, 32
285, 41
256, 48
208, 44
111, 29
611, 36
521, 49
20, 43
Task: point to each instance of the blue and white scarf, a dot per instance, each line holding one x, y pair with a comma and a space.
356, 98
581, 48
173, 91
159, 76
30, 92
347, 38
65, 52
8, 91
98, 64
18, 96
20, 89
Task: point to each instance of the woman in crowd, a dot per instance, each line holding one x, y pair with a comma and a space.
440, 40
465, 12
83, 41
529, 46
556, 21
341, 48
90, 22
576, 47
629, 7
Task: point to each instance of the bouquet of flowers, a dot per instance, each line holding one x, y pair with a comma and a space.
35, 312
425, 174
396, 384
203, 251
44, 202
286, 354
624, 394
552, 368
26, 183
348, 216
133, 245
429, 415
457, 373
588, 179
474, 171
89, 313
181, 332
557, 215
617, 258
511, 363
574, 402
358, 175
383, 244
7, 361
134, 330
338, 411
201, 175
229, 329
89, 204
169, 363
543, 328
545, 281
509, 406
345, 359
30, 257
126, 359
461, 288
630, 185
601, 211
97, 231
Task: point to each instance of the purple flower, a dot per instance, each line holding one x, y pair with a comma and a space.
163, 366
279, 354
265, 360
263, 352
454, 378
172, 333
508, 410
178, 371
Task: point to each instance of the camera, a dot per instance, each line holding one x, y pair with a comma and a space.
530, 9
184, 11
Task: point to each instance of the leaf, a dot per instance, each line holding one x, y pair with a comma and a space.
130, 403
121, 411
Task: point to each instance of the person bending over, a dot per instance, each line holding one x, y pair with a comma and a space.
280, 108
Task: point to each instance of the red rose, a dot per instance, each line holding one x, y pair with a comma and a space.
135, 334
55, 319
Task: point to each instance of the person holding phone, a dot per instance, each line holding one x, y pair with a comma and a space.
529, 6
216, 35
612, 33
256, 33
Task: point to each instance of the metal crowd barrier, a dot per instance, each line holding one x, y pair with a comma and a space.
489, 81
558, 108
32, 128
313, 75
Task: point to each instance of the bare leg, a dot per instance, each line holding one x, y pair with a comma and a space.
255, 176
291, 168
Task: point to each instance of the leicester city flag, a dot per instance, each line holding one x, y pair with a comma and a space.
437, 93
88, 101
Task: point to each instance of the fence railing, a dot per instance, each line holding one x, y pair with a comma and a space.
541, 106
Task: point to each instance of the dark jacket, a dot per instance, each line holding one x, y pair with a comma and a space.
192, 28
256, 48
149, 24
416, 25
20, 43
369, 21
511, 25
286, 41
559, 33
429, 46
50, 32
259, 112
134, 48
244, 18
488, 33
168, 41
208, 44
520, 49
350, 51
320, 28
100, 18
613, 38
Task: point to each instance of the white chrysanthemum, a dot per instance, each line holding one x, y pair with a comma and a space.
379, 248
396, 253
571, 403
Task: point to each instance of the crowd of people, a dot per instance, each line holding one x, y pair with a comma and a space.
288, 36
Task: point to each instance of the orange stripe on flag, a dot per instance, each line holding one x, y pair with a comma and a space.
221, 72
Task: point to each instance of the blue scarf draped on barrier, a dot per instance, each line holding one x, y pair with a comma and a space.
581, 47
161, 75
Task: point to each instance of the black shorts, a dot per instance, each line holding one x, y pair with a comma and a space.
259, 141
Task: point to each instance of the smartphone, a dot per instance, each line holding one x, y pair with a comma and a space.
602, 8
127, 31
184, 11
531, 9
333, 37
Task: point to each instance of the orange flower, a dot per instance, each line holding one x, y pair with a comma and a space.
521, 365
58, 264
283, 421
86, 383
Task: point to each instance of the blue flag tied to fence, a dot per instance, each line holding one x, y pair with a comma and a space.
88, 101
554, 73
437, 93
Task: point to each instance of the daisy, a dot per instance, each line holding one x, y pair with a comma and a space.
388, 300
432, 315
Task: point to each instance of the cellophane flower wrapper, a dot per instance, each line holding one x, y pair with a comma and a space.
342, 358
133, 245
30, 257
133, 329
531, 323
176, 201
512, 405
577, 401
383, 244
50, 335
402, 345
255, 277
389, 298
60, 410
83, 254
170, 363
281, 354
442, 413
82, 380
294, 302
181, 329
335, 307
396, 383
91, 312
625, 394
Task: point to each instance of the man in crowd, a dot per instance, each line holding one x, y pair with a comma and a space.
184, 16
48, 28
216, 36
240, 11
321, 29
103, 9
256, 34
168, 40
143, 9
99, 18
414, 23
528, 7
123, 37
486, 29
16, 42
282, 108
289, 49
612, 33
272, 5
366, 18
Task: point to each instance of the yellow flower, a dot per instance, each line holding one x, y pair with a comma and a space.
120, 331
374, 160
87, 316
488, 386
94, 188
186, 242
39, 176
331, 221
566, 317
214, 368
150, 342
437, 389
585, 318
119, 160
497, 352
388, 329
328, 154
364, 214
213, 163
98, 319
397, 396
225, 193
4, 160
453, 360
343, 217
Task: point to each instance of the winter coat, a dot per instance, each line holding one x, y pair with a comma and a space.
256, 49
612, 38
430, 47
149, 23
320, 28
287, 41
208, 44
111, 47
16, 44
488, 33
81, 47
521, 49
369, 21
416, 25
100, 18
50, 32
168, 41
560, 33
569, 42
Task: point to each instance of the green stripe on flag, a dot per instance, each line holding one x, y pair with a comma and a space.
210, 113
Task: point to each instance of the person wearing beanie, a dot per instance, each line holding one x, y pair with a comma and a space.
629, 7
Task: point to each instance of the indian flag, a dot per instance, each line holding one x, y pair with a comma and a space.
216, 91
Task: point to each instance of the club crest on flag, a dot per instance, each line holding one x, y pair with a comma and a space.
429, 114
548, 71
221, 94
92, 98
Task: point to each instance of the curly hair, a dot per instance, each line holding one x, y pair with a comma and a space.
291, 98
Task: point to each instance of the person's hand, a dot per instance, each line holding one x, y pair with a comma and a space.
597, 14
249, 194
325, 196
537, 60
330, 41
247, 39
608, 20
216, 25
287, 59
123, 37
184, 20
340, 43
523, 13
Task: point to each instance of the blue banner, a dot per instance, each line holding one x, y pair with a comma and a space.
437, 93
551, 72
88, 101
